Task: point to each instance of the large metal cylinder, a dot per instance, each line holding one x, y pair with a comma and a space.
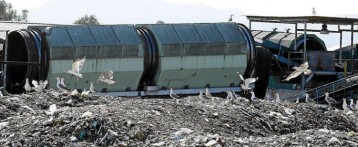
179, 56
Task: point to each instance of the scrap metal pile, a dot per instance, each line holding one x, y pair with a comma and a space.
55, 119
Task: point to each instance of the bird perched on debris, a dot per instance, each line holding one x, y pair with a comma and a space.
246, 82
92, 88
230, 95
106, 77
61, 84
356, 106
84, 92
27, 86
173, 95
207, 92
303, 68
253, 97
352, 105
230, 19
329, 100
202, 96
308, 99
345, 106
278, 100
297, 100
43, 84
37, 87
77, 66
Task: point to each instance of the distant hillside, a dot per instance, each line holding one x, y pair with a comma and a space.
130, 12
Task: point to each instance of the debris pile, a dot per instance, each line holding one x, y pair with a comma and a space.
54, 119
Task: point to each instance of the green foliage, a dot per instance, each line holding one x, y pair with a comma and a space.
87, 20
7, 13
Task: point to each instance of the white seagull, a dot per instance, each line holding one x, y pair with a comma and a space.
106, 77
202, 96
303, 68
92, 88
36, 87
308, 99
345, 106
278, 100
173, 95
356, 107
297, 100
27, 86
352, 105
61, 84
329, 100
253, 97
246, 82
84, 92
43, 84
77, 66
230, 95
313, 11
207, 92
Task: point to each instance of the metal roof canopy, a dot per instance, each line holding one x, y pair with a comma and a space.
311, 19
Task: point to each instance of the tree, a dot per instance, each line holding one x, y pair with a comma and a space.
7, 13
87, 20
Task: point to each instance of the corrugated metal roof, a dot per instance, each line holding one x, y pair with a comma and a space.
12, 26
302, 19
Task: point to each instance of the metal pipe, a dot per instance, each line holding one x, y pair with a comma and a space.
340, 43
295, 36
304, 53
352, 49
19, 63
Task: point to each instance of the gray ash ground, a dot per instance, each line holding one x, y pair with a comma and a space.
115, 121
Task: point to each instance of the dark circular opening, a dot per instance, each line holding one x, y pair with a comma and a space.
17, 51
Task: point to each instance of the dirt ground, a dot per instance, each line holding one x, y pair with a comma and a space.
54, 119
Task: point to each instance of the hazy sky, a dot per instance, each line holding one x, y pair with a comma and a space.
149, 11
257, 7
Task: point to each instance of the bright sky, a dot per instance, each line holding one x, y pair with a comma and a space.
255, 7
281, 7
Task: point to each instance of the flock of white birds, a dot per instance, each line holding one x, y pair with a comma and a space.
107, 77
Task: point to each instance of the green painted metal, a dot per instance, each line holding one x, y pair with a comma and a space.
199, 55
116, 48
283, 40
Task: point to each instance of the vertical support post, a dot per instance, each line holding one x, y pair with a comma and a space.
295, 36
303, 82
340, 44
352, 49
5, 59
250, 25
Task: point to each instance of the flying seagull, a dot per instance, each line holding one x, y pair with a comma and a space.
230, 19
92, 88
202, 96
308, 99
27, 86
329, 100
207, 92
303, 68
77, 66
173, 95
313, 11
246, 82
106, 77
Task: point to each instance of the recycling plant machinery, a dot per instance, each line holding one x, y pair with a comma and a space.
146, 59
